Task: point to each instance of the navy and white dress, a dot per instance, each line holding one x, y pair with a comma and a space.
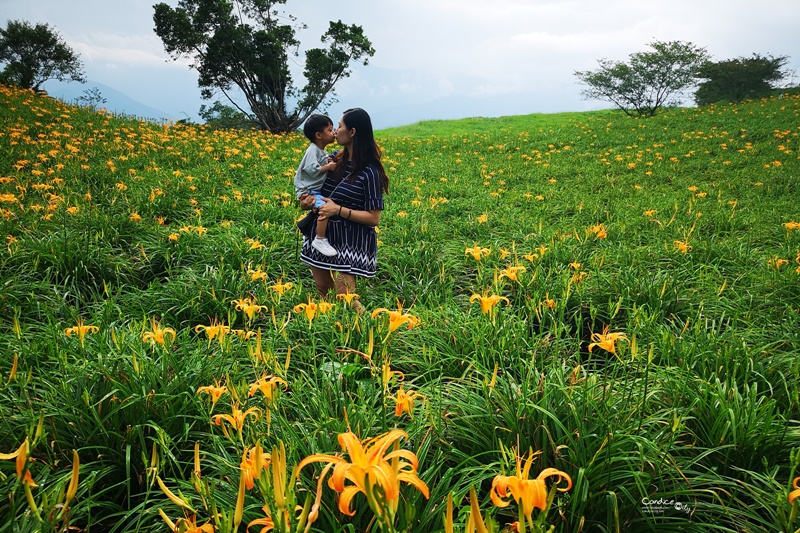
356, 244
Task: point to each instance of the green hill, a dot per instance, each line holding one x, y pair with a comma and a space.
619, 297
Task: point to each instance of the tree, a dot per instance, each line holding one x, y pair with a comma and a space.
650, 81
245, 44
221, 116
92, 98
34, 54
734, 80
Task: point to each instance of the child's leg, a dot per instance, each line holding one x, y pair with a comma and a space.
321, 243
322, 222
322, 227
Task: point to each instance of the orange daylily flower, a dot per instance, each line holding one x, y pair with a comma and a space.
324, 307
404, 402
397, 318
387, 374
280, 287
266, 384
599, 231
215, 391
477, 252
157, 333
347, 297
249, 307
371, 469
488, 302
80, 330
528, 493
682, 246
778, 262
606, 340
21, 457
255, 244
256, 275
254, 460
214, 330
189, 525
267, 521
236, 418
795, 494
309, 308
511, 272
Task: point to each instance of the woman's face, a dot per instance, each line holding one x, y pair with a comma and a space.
344, 136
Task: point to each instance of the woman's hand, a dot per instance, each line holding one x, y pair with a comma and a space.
329, 208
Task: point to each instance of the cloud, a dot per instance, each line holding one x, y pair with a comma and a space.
435, 57
120, 50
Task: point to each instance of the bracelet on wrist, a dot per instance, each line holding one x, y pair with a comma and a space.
349, 214
340, 211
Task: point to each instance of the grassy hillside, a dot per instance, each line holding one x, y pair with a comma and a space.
619, 297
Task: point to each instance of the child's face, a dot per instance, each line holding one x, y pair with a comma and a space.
326, 136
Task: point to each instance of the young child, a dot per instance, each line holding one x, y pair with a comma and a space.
311, 173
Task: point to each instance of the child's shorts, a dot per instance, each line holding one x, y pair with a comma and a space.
319, 201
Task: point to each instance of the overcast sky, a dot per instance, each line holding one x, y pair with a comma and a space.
434, 58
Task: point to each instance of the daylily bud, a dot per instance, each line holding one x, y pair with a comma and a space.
177, 500
237, 514
170, 523
73, 482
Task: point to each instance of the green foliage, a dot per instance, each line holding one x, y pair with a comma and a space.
92, 98
244, 44
34, 54
649, 81
734, 80
221, 116
680, 233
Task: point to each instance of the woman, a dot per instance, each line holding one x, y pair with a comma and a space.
353, 195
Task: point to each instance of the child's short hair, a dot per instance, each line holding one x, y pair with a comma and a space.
315, 124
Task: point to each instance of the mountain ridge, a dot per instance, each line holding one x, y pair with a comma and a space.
116, 101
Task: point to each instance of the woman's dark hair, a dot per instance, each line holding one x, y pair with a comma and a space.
365, 149
315, 124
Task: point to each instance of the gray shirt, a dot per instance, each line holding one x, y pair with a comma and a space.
309, 177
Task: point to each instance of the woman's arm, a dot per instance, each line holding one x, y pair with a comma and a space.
367, 217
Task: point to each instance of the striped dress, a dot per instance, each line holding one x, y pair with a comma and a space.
356, 244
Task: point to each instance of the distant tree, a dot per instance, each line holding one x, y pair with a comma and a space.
221, 116
245, 44
649, 81
92, 98
734, 80
34, 54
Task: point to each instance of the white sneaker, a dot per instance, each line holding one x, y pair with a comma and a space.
324, 247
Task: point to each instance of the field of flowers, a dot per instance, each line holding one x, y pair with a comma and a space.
580, 321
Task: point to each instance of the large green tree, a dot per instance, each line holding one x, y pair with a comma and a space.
734, 80
31, 55
648, 81
247, 44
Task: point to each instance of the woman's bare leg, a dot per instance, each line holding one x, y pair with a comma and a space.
346, 284
323, 279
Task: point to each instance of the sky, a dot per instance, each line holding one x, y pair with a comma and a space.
434, 59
